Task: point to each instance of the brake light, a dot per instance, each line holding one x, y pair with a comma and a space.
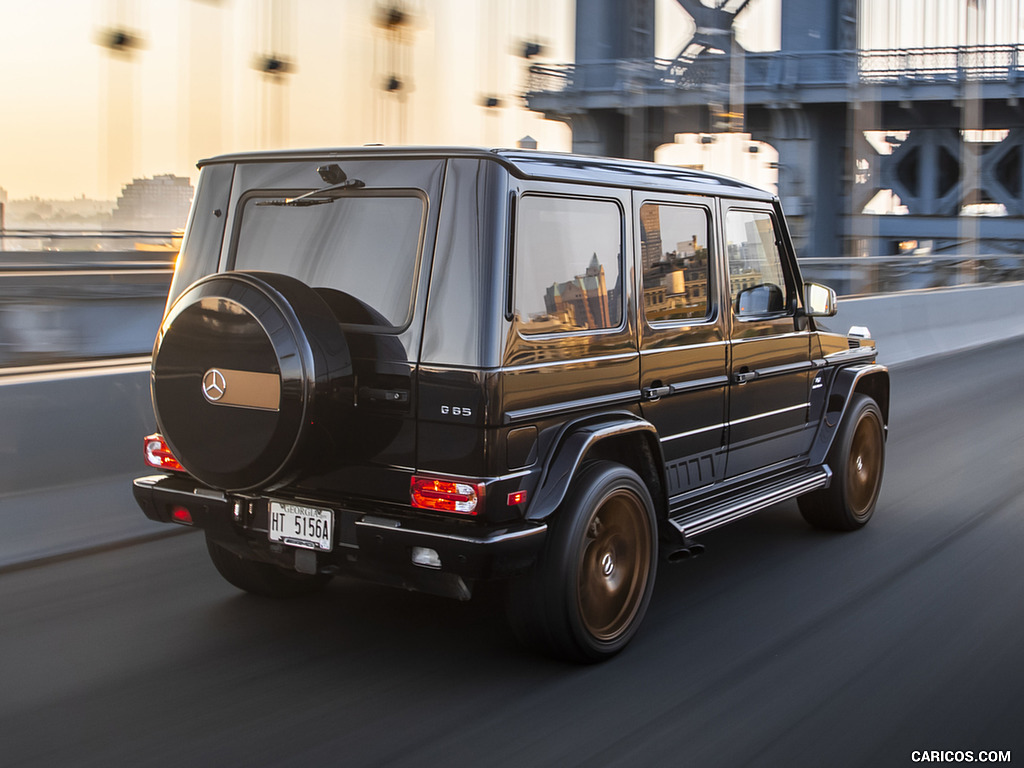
446, 495
159, 455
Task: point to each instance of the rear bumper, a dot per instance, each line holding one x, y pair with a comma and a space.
369, 544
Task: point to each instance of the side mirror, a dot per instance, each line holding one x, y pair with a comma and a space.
760, 300
819, 300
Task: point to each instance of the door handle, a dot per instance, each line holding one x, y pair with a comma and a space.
383, 395
742, 377
655, 393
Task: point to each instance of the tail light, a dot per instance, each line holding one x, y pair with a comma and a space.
442, 495
158, 455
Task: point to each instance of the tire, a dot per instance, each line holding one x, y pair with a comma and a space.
857, 459
263, 578
251, 378
585, 598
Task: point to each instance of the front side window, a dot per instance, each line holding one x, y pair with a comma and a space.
365, 247
674, 251
567, 265
757, 281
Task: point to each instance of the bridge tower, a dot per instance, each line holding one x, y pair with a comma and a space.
950, 112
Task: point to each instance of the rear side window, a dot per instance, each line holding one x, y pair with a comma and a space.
757, 281
365, 247
674, 250
567, 265
201, 248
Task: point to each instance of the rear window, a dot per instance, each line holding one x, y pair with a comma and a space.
364, 246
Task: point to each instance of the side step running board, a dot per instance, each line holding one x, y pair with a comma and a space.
701, 518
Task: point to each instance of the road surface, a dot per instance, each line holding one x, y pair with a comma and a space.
781, 646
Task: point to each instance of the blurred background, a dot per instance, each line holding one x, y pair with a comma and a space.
891, 131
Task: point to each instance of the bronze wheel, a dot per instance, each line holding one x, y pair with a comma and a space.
615, 565
864, 465
585, 598
857, 459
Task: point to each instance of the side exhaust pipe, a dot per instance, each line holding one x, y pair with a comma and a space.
691, 549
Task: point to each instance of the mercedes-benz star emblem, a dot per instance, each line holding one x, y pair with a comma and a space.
214, 385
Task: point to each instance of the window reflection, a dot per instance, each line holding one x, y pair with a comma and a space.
754, 262
674, 252
567, 275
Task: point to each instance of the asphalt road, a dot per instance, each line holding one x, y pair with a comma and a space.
781, 646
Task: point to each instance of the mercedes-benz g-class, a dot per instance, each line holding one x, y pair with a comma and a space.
432, 367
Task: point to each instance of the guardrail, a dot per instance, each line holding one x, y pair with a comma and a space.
69, 304
873, 275
59, 307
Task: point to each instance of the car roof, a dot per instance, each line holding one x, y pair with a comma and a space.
532, 164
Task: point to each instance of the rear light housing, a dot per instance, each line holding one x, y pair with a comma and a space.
445, 495
158, 455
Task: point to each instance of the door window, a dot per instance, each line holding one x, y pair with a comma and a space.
757, 281
674, 252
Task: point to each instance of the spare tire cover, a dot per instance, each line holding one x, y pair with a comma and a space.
251, 379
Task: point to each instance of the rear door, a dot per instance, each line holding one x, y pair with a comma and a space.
683, 345
571, 343
771, 366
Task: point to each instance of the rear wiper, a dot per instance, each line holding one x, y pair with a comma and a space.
313, 198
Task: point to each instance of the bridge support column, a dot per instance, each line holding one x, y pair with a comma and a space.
628, 133
812, 154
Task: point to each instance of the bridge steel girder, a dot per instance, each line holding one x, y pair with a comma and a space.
813, 101
948, 234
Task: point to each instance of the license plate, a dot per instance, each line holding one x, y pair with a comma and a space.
301, 526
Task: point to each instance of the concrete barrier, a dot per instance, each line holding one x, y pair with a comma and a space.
82, 426
69, 446
908, 326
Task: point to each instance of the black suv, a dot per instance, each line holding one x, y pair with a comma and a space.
432, 367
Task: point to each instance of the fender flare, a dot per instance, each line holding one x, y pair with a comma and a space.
570, 448
871, 379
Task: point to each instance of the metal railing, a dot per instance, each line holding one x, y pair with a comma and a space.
979, 63
861, 276
43, 249
58, 307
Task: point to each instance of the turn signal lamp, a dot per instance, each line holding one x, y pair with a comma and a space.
514, 499
159, 455
445, 495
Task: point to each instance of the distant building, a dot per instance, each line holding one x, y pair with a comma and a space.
159, 204
650, 235
582, 301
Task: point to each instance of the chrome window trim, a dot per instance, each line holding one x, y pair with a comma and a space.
576, 361
677, 347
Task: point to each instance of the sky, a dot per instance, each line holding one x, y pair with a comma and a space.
76, 120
